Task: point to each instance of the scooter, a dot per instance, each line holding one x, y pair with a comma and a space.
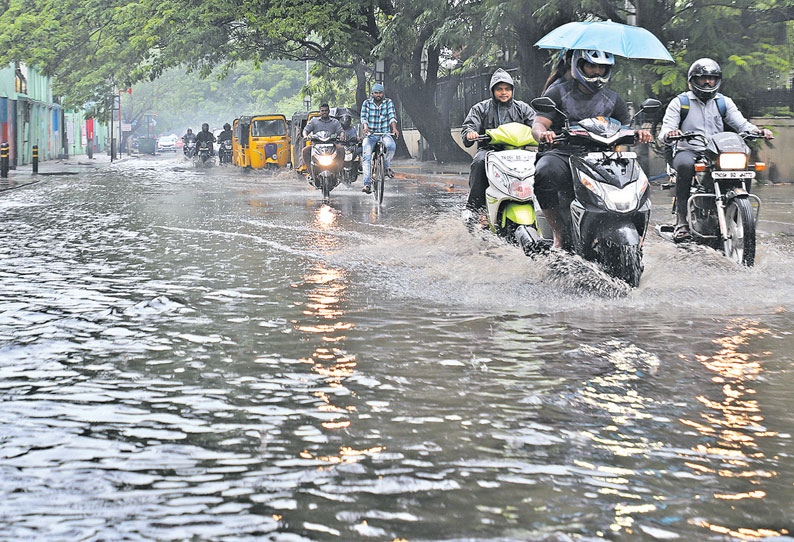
225, 151
510, 197
323, 176
351, 167
204, 154
189, 149
608, 217
720, 210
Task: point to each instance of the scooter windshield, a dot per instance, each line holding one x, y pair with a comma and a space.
512, 134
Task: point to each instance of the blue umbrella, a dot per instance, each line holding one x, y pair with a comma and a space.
618, 39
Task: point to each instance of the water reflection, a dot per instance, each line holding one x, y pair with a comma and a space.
326, 326
732, 425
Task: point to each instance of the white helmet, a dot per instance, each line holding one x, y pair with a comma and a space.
602, 58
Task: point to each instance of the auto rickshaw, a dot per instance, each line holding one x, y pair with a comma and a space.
261, 141
299, 122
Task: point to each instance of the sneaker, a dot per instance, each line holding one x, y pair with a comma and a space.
367, 189
390, 173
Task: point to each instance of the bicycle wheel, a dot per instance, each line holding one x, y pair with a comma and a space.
375, 176
381, 179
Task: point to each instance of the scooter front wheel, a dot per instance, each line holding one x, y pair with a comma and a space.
623, 262
739, 240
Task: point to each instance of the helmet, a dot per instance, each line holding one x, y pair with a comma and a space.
602, 58
699, 68
345, 119
190, 130
205, 127
227, 126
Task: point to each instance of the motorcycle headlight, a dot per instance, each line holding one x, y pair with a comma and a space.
733, 160
622, 199
324, 159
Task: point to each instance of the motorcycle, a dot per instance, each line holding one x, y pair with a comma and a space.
720, 210
608, 217
225, 151
351, 167
189, 149
204, 153
323, 176
510, 196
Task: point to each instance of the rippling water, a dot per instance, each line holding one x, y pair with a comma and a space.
190, 355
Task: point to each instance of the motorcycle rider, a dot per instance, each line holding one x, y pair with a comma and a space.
226, 134
584, 96
324, 123
705, 111
205, 135
377, 115
351, 134
499, 109
189, 136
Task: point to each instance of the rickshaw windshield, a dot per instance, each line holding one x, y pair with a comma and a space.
268, 128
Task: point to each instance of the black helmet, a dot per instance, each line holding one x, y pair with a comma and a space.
227, 126
205, 127
190, 130
704, 67
345, 119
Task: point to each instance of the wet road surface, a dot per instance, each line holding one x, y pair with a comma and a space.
210, 355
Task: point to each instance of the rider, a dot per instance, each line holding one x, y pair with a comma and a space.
324, 123
584, 96
351, 133
377, 115
499, 109
189, 136
705, 116
205, 135
226, 134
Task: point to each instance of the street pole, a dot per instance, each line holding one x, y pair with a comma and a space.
112, 142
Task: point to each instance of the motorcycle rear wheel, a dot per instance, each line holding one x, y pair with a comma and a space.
739, 239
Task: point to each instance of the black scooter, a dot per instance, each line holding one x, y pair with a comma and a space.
608, 218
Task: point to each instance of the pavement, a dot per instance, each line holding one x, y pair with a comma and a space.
23, 174
431, 172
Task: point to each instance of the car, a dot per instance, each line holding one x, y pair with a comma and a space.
167, 143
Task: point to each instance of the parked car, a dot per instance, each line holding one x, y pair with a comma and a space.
168, 143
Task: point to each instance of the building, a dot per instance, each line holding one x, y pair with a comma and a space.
29, 115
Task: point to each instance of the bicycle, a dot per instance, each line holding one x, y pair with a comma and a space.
378, 167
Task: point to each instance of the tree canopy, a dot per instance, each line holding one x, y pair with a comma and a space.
93, 47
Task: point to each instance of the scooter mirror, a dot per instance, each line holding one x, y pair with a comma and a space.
650, 104
544, 104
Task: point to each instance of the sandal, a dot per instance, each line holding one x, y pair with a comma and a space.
681, 233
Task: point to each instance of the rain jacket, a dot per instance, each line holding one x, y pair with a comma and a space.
491, 113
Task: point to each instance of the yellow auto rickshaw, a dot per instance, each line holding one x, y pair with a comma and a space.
299, 122
261, 141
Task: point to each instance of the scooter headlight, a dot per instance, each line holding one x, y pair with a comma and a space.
499, 178
522, 189
324, 159
733, 160
622, 199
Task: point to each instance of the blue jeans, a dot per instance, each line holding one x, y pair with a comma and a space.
367, 144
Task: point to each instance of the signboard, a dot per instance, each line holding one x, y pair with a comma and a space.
126, 127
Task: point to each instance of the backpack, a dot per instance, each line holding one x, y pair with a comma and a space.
684, 100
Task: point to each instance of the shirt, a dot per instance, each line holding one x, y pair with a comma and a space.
378, 117
703, 118
317, 124
579, 105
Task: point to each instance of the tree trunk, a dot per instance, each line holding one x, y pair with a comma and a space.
360, 70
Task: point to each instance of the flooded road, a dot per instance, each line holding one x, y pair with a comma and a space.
209, 355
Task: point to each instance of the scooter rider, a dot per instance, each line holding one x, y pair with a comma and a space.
499, 109
205, 135
324, 123
705, 111
377, 116
189, 136
582, 97
351, 134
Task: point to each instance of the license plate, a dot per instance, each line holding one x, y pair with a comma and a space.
733, 174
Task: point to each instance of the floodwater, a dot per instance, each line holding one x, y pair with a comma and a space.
209, 355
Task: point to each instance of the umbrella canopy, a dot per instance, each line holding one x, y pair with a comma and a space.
618, 39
